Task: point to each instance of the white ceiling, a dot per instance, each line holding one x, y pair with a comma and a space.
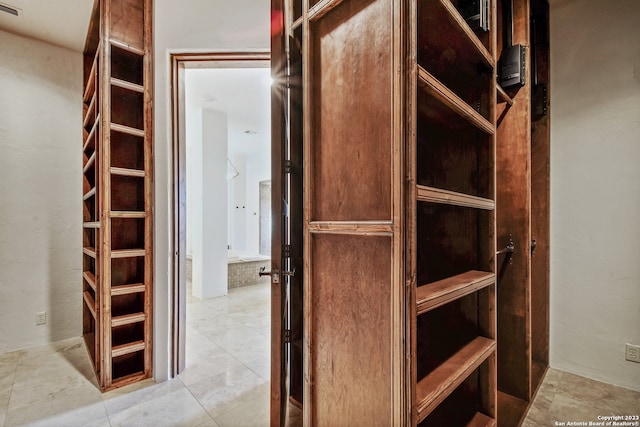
244, 95
59, 22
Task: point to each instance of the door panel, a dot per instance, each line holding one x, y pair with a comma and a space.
353, 289
351, 329
287, 231
351, 101
339, 116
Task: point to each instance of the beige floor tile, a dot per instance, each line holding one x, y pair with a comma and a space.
228, 390
252, 413
565, 397
173, 407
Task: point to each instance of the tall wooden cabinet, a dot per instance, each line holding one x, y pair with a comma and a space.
419, 189
117, 153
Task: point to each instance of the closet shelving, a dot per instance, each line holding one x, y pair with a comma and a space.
454, 219
117, 169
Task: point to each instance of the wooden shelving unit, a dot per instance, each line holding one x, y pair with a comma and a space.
454, 217
415, 166
117, 152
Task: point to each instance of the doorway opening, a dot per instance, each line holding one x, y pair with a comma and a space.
221, 167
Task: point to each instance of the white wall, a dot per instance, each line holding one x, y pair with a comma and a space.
188, 26
258, 169
595, 188
209, 207
40, 192
238, 208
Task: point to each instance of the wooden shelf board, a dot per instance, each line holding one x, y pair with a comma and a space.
321, 8
90, 251
92, 133
132, 288
502, 96
91, 304
481, 420
90, 278
126, 380
128, 348
127, 319
89, 194
437, 195
126, 129
450, 100
89, 163
441, 382
127, 85
92, 224
127, 253
90, 110
438, 293
128, 214
297, 24
125, 46
128, 172
461, 23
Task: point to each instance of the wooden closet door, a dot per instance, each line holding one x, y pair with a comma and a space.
354, 301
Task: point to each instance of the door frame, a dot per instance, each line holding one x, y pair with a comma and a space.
180, 62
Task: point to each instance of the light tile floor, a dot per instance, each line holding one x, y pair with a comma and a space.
565, 398
225, 383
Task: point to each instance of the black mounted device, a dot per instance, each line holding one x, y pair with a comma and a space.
513, 57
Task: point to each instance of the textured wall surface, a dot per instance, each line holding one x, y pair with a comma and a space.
595, 188
40, 192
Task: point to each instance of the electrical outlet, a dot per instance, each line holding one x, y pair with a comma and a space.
41, 318
632, 353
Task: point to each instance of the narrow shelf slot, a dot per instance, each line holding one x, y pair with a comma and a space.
127, 172
90, 252
91, 304
127, 129
127, 319
126, 253
128, 289
481, 420
127, 107
90, 279
127, 151
447, 98
90, 88
436, 195
435, 294
123, 349
90, 141
472, 39
90, 112
89, 163
127, 85
441, 382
